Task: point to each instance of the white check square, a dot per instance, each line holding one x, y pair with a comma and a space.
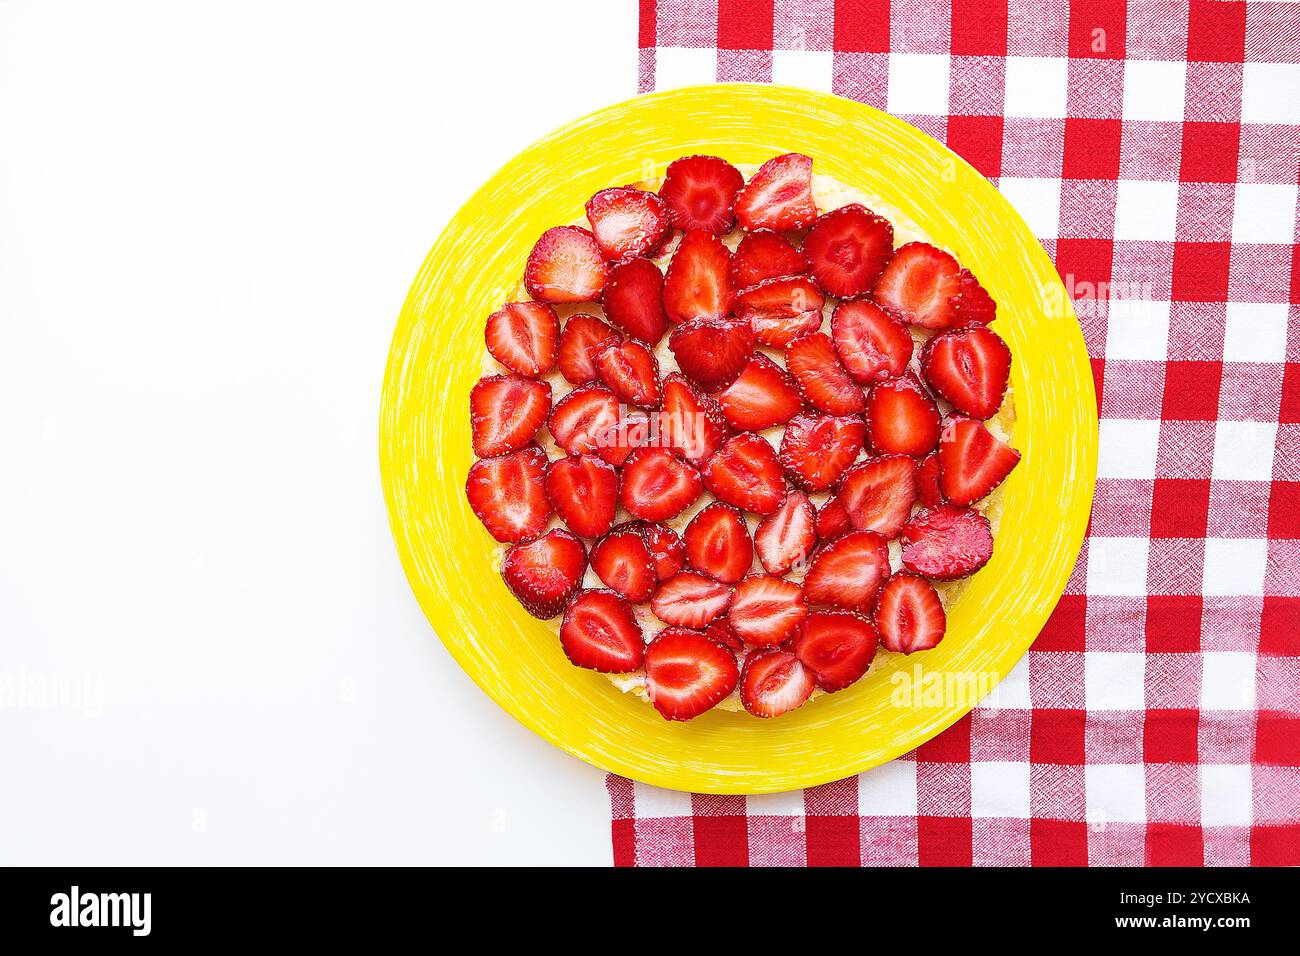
1268, 93
1227, 680
1114, 680
811, 69
918, 84
1255, 332
888, 790
999, 789
1127, 448
684, 66
1235, 566
1036, 86
658, 802
1225, 795
1037, 200
1146, 210
1115, 793
1264, 212
1118, 566
1154, 90
786, 804
1137, 330
1243, 451
1012, 692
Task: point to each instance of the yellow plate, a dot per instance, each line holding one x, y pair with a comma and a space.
449, 558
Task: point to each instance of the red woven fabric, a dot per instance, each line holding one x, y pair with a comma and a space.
1152, 148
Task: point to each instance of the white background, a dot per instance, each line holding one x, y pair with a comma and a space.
210, 213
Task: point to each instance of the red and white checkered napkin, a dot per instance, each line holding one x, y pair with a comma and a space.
1152, 147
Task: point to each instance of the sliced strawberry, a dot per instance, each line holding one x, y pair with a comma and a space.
696, 283
816, 449
837, 647
927, 481
766, 610
666, 549
763, 396
690, 424
919, 284
909, 615
970, 368
720, 632
712, 352
872, 344
947, 542
972, 462
505, 412
785, 538
524, 337
972, 304
700, 192
781, 309
832, 520
848, 572
585, 420
600, 632
583, 491
773, 682
901, 418
778, 196
565, 266
630, 371
847, 248
622, 560
690, 600
686, 673
718, 543
822, 380
508, 494
657, 486
627, 222
634, 429
745, 472
544, 574
634, 300
878, 494
584, 335
764, 254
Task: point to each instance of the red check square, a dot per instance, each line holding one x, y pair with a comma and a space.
1210, 152
1279, 626
1170, 736
978, 140
1192, 391
1170, 844
1064, 630
1058, 842
1216, 31
1180, 508
1173, 622
1201, 271
979, 28
862, 26
1277, 739
1092, 148
1097, 28
1057, 737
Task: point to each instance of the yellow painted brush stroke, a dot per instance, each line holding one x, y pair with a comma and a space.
425, 441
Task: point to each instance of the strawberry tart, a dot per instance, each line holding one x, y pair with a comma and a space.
740, 436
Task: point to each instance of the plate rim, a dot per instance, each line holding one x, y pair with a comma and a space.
444, 620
